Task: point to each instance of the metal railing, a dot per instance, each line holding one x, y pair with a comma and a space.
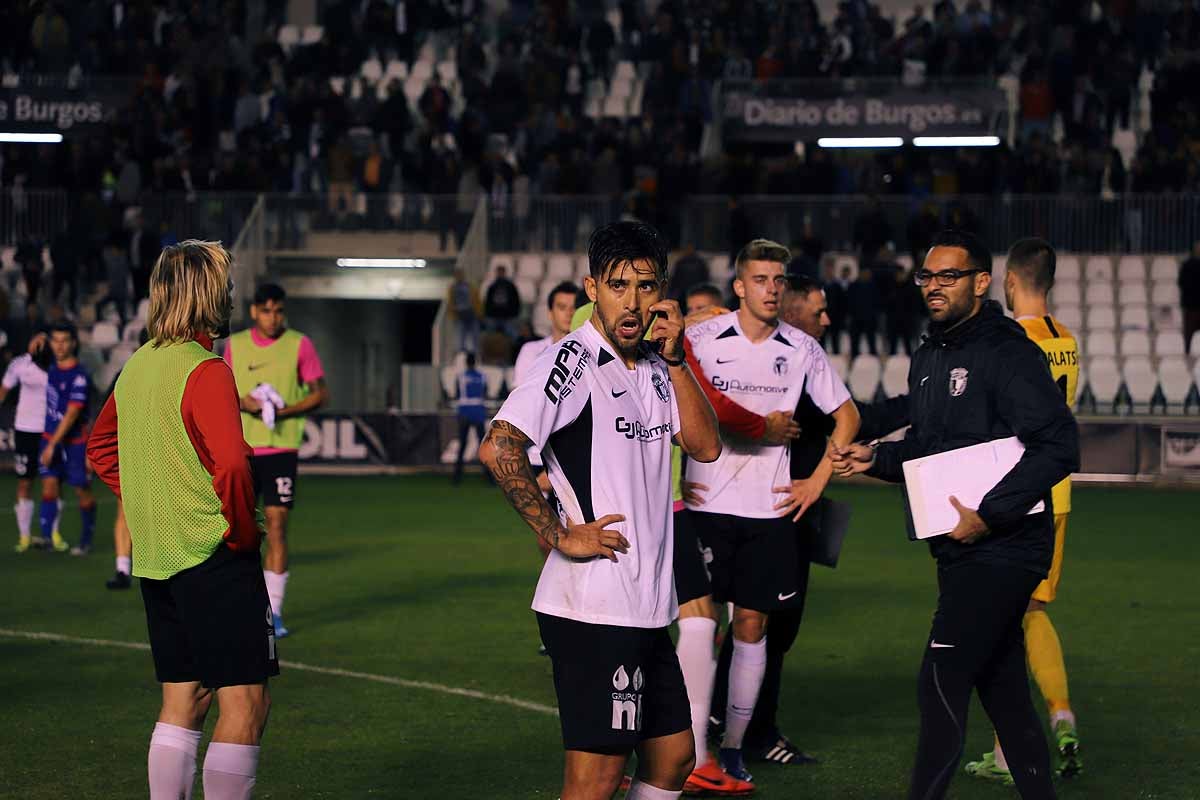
472, 260
249, 258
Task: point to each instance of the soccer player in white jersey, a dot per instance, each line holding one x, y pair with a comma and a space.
561, 302
605, 407
29, 372
764, 365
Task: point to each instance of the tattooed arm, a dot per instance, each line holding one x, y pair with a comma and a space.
503, 453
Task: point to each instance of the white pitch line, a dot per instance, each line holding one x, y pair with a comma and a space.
458, 691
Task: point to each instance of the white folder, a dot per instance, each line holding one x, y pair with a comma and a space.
967, 473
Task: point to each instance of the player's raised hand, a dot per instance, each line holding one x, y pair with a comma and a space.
851, 459
592, 539
780, 428
971, 527
667, 329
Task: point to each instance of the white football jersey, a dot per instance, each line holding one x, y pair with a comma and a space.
528, 356
31, 406
605, 435
764, 377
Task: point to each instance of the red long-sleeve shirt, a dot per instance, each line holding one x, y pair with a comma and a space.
212, 419
730, 414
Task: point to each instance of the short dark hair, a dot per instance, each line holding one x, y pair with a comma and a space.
266, 292
762, 250
803, 284
1032, 260
978, 255
619, 243
470, 361
705, 288
565, 286
64, 327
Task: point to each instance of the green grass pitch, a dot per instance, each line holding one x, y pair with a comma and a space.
411, 579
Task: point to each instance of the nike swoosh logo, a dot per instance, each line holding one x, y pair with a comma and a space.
253, 367
783, 597
939, 644
615, 393
726, 361
924, 379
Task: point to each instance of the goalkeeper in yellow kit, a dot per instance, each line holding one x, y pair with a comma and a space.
1030, 275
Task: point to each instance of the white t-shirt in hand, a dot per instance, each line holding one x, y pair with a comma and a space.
605, 435
31, 406
764, 377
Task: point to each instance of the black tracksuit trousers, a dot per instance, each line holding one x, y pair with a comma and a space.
977, 643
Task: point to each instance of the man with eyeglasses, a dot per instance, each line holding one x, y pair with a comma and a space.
977, 378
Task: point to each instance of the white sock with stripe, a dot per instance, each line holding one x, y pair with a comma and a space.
746, 670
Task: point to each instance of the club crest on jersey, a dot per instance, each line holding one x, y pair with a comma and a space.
626, 705
781, 365
660, 387
958, 381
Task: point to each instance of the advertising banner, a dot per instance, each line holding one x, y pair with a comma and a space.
791, 111
57, 109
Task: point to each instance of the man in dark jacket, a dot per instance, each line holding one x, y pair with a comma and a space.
979, 378
502, 304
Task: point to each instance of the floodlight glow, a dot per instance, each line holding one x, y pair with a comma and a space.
860, 141
383, 263
31, 138
956, 141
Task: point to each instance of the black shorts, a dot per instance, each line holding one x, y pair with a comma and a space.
26, 452
691, 574
616, 686
756, 563
212, 623
275, 478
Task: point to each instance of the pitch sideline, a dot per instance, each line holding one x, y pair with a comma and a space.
458, 691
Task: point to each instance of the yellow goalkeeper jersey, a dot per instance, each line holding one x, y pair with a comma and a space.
1062, 355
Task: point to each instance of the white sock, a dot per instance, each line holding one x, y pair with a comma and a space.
746, 671
229, 771
24, 509
276, 588
172, 762
1001, 761
644, 791
125, 564
1069, 716
695, 651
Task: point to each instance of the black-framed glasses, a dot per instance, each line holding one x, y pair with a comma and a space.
947, 277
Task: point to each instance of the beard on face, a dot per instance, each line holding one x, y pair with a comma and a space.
619, 331
954, 308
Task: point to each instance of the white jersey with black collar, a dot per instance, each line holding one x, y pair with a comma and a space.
762, 377
605, 435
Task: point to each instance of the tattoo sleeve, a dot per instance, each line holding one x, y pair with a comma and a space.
515, 476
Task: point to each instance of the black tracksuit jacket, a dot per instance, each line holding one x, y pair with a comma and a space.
981, 381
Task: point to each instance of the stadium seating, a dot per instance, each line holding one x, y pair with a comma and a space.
1168, 344
1066, 268
494, 379
1135, 317
1099, 294
105, 336
1141, 382
841, 364
530, 266
1175, 381
1101, 318
1165, 294
1194, 346
895, 376
1071, 316
560, 268
1164, 269
1133, 294
864, 377
1099, 268
1104, 380
1066, 293
1100, 343
1131, 269
527, 289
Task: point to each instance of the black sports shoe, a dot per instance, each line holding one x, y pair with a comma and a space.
781, 751
119, 580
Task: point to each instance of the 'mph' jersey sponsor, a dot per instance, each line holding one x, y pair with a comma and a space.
1062, 356
23, 371
604, 432
764, 377
65, 388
